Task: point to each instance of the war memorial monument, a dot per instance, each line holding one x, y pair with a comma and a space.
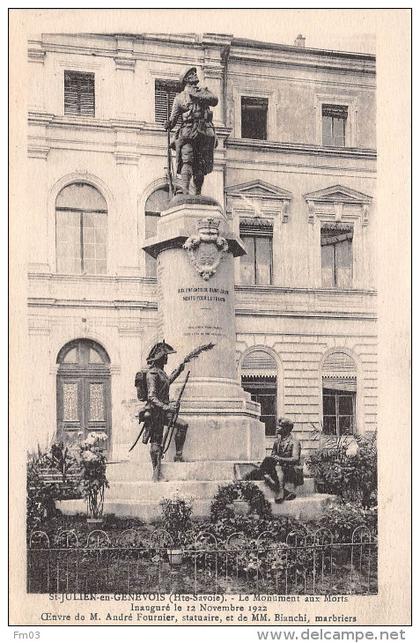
195, 250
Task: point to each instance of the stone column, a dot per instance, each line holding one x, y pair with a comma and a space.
195, 250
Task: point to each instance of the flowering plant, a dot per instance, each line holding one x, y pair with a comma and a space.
93, 473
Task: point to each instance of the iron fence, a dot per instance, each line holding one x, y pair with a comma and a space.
302, 563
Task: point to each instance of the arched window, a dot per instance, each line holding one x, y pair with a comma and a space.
259, 378
83, 390
339, 384
81, 230
155, 204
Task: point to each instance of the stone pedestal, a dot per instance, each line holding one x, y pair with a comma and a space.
195, 251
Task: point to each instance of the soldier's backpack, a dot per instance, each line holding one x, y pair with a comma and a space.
141, 385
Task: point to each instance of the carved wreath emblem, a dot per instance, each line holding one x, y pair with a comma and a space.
207, 248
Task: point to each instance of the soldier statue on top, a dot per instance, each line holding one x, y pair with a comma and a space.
195, 138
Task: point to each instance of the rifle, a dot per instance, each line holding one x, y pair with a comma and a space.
195, 353
169, 154
167, 438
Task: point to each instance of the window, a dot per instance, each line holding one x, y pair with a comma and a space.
259, 379
336, 255
264, 391
79, 93
155, 204
334, 120
165, 92
338, 411
257, 264
339, 384
254, 117
81, 230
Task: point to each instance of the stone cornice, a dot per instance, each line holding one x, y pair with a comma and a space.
110, 279
240, 49
125, 63
299, 314
273, 290
273, 46
223, 133
259, 190
90, 122
36, 54
300, 148
53, 302
329, 203
338, 194
266, 54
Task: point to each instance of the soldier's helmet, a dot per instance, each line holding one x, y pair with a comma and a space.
159, 350
183, 76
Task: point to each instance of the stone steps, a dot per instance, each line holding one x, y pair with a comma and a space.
302, 508
155, 491
195, 470
222, 471
132, 493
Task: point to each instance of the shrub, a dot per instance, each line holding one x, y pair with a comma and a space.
347, 467
177, 517
40, 503
342, 518
50, 476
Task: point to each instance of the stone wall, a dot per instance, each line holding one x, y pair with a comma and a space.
122, 152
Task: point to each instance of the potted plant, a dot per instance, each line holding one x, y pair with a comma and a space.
176, 512
93, 475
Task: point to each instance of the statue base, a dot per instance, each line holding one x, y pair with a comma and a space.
133, 494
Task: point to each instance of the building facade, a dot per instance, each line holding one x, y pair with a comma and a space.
295, 168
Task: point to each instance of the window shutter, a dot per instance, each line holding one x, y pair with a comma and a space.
165, 92
256, 226
332, 233
337, 111
79, 93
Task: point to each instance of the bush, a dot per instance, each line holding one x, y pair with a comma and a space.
40, 503
176, 517
50, 476
342, 518
347, 468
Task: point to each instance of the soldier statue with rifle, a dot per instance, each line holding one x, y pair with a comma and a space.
159, 417
195, 138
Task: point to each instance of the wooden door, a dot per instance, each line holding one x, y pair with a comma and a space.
83, 391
